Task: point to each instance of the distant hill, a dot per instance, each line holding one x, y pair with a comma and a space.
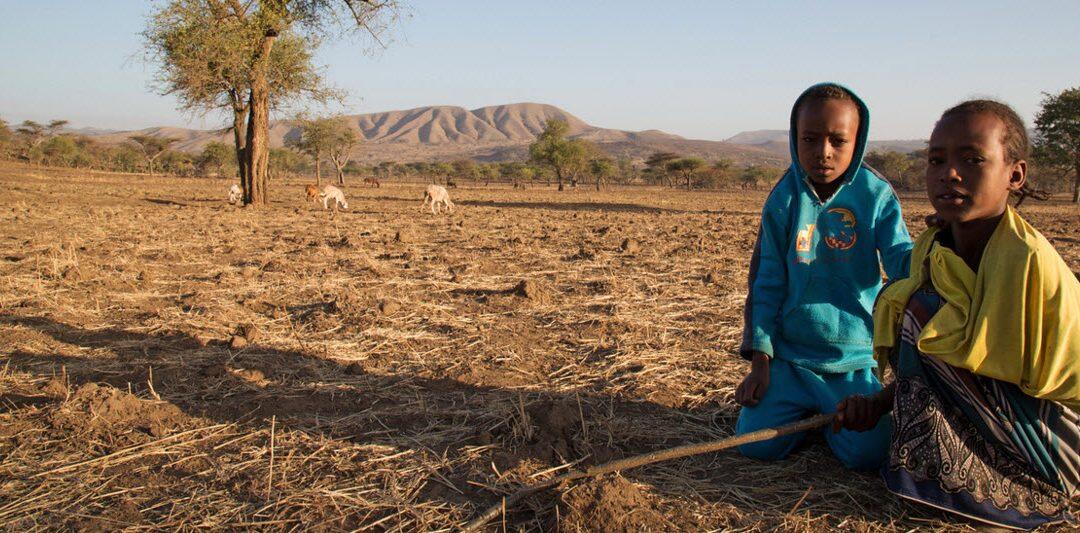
87, 131
776, 141
901, 145
494, 133
759, 137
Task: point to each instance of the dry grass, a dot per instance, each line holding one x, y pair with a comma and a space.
172, 362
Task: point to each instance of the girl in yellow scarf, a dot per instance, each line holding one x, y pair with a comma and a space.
984, 341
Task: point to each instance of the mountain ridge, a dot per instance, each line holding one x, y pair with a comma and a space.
489, 133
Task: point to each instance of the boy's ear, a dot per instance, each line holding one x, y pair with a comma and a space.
1018, 176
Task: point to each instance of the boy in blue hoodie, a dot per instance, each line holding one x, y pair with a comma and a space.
826, 230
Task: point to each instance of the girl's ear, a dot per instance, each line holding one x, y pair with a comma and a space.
1018, 175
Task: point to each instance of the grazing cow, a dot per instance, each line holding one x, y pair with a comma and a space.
235, 194
437, 194
312, 192
333, 193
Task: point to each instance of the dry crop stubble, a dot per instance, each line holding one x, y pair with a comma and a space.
402, 370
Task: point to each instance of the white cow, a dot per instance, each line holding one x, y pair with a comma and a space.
235, 194
437, 194
333, 193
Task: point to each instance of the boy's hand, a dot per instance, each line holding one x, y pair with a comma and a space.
862, 413
753, 386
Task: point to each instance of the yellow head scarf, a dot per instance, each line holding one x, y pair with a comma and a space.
1017, 319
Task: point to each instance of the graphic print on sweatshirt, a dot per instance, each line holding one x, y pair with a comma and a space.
839, 228
836, 228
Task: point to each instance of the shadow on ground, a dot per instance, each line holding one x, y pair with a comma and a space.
307, 393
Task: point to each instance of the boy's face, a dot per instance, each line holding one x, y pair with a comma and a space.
827, 131
968, 176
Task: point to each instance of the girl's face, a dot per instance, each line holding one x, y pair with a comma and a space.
968, 175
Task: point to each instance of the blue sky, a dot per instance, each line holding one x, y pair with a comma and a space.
701, 69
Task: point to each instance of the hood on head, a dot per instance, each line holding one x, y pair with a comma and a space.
860, 138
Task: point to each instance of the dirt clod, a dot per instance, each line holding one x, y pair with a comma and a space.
237, 342
531, 290
248, 331
614, 504
55, 388
388, 307
583, 254
72, 274
630, 246
252, 375
96, 408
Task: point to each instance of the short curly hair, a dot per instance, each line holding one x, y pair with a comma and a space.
825, 91
1015, 140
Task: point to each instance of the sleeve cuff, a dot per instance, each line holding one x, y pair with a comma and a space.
762, 345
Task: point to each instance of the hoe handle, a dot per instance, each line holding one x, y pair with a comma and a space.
627, 463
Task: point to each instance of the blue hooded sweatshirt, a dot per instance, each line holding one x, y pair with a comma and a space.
816, 268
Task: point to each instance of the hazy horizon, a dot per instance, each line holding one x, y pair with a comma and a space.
706, 71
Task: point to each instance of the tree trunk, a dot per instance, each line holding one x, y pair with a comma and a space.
1076, 186
240, 142
258, 133
688, 178
340, 166
318, 170
558, 174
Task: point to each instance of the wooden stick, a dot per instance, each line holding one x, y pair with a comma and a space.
270, 474
649, 458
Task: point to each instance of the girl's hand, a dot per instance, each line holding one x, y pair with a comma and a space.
862, 413
753, 386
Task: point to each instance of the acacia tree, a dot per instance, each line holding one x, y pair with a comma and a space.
152, 147
54, 127
342, 140
488, 172
686, 166
314, 140
722, 170
602, 169
6, 138
203, 51
1057, 143
215, 158
465, 169
443, 169
250, 57
657, 165
566, 157
385, 169
59, 150
895, 165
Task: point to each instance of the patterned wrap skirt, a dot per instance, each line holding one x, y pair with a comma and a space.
974, 445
